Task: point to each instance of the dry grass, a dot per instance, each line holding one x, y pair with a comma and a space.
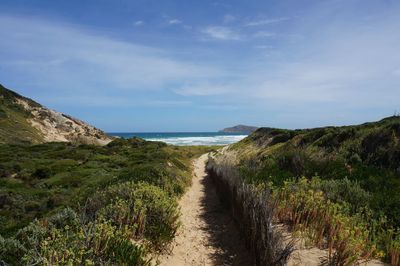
253, 210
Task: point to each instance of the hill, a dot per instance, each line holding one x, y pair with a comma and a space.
23, 120
338, 186
374, 144
239, 129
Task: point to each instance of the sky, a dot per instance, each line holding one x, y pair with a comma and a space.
188, 65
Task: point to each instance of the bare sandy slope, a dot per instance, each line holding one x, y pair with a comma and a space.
58, 127
208, 235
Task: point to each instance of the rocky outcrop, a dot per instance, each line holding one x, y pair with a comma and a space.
51, 125
56, 126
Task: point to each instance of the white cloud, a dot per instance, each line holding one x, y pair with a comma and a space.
174, 21
53, 57
261, 22
138, 23
221, 33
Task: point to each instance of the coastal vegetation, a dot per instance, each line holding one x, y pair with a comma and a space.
66, 204
14, 126
336, 187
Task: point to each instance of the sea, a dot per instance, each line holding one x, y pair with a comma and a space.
187, 138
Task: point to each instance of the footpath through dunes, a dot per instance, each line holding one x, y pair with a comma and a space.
208, 235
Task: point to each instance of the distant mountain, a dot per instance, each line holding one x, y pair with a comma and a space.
23, 120
239, 129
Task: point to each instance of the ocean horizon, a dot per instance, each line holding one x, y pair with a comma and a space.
186, 138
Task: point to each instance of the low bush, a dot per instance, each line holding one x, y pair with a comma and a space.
343, 191
11, 251
95, 243
145, 209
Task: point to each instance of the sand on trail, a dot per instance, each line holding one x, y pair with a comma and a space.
208, 235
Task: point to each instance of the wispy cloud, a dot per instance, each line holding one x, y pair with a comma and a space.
350, 67
52, 56
221, 33
138, 23
261, 22
174, 21
264, 34
114, 102
205, 89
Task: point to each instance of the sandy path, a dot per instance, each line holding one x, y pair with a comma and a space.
208, 235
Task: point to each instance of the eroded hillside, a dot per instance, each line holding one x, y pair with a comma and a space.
23, 120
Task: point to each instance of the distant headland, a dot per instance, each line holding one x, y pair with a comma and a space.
239, 129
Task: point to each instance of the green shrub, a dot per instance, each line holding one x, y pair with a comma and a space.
96, 243
343, 191
162, 215
146, 209
3, 114
42, 173
123, 252
32, 235
66, 217
11, 251
355, 159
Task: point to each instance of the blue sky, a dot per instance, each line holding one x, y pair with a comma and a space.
203, 65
